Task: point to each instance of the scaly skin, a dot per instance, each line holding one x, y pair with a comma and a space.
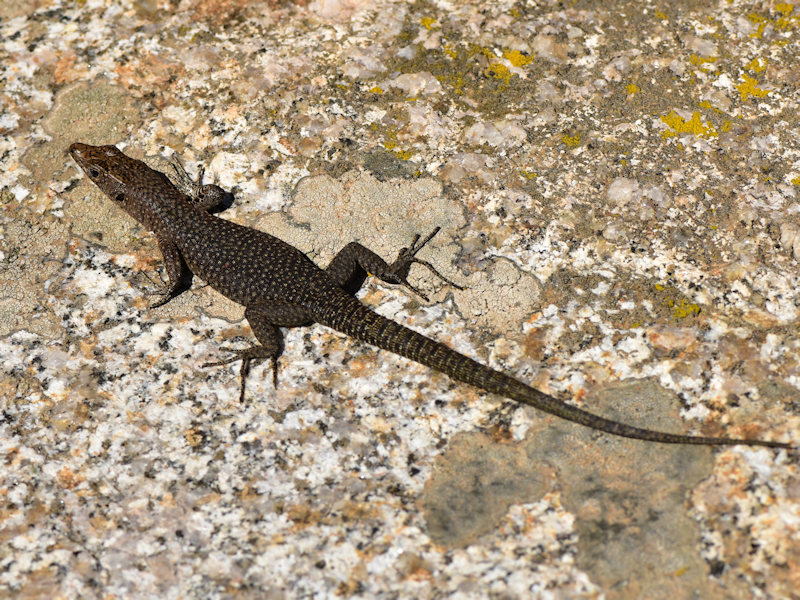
280, 286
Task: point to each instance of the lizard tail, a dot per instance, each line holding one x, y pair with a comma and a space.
364, 324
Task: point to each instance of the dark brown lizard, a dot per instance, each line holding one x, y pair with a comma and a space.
279, 286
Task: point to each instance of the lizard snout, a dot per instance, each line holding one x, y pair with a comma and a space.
77, 149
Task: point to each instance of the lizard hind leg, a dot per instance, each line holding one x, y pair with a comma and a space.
247, 356
265, 319
349, 268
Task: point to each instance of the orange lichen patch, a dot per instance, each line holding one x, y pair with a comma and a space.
534, 344
210, 498
6, 513
303, 515
87, 347
413, 566
149, 73
194, 437
359, 368
760, 318
665, 337
65, 71
221, 10
749, 88
68, 479
357, 511
287, 145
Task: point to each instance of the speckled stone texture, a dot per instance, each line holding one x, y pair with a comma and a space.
619, 189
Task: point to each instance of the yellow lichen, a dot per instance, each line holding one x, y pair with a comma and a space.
456, 81
427, 22
796, 181
680, 125
529, 175
571, 141
376, 90
683, 309
632, 89
755, 65
700, 61
517, 58
499, 71
749, 88
487, 52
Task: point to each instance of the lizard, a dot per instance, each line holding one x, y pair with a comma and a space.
281, 287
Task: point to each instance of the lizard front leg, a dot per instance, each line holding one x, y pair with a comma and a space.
265, 318
205, 197
349, 268
177, 273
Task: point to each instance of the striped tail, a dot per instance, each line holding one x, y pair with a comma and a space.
357, 320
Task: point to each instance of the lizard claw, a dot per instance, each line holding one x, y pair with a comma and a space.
166, 292
206, 196
407, 257
246, 356
161, 302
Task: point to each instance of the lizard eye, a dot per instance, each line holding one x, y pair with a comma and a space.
94, 172
119, 197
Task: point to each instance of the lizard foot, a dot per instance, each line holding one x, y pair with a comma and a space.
164, 292
407, 256
206, 196
161, 301
247, 356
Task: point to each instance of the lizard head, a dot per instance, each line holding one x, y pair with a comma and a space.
105, 166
